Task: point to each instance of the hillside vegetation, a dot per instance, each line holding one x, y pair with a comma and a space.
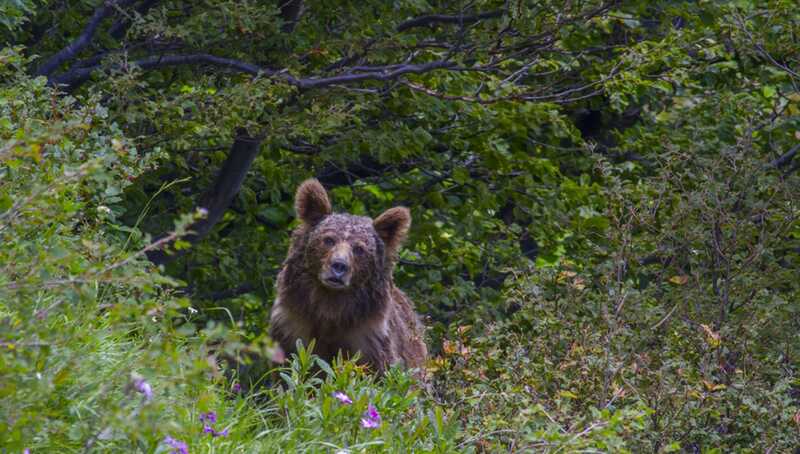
605, 244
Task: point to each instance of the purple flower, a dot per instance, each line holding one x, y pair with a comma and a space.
342, 397
237, 388
209, 417
210, 430
26, 451
371, 418
178, 447
143, 387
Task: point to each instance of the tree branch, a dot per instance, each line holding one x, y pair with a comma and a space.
83, 40
76, 76
786, 158
397, 71
227, 184
423, 21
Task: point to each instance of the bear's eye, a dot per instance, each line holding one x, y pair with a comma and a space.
358, 250
328, 241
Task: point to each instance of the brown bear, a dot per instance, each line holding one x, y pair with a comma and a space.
336, 286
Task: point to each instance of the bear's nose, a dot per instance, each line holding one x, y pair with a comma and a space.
339, 267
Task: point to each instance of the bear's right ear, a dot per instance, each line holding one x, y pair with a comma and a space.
311, 202
392, 226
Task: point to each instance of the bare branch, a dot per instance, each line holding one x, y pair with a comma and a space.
390, 75
83, 40
786, 158
77, 76
177, 60
302, 147
423, 21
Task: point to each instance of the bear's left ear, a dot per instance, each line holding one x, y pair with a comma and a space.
311, 202
392, 226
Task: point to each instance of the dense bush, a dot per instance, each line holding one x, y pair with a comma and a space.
98, 353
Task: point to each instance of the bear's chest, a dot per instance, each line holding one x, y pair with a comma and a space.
370, 339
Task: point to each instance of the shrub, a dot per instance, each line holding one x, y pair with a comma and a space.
97, 351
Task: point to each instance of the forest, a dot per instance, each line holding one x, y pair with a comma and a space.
604, 247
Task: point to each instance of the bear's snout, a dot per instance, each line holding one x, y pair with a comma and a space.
339, 268
336, 271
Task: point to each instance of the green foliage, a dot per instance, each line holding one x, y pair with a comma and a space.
65, 374
14, 13
85, 323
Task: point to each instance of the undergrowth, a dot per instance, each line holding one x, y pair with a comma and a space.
100, 353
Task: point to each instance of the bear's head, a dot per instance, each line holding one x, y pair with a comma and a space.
346, 252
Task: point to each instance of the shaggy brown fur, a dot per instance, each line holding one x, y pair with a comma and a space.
336, 286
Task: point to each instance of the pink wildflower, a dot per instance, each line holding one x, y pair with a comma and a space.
371, 418
342, 397
143, 387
